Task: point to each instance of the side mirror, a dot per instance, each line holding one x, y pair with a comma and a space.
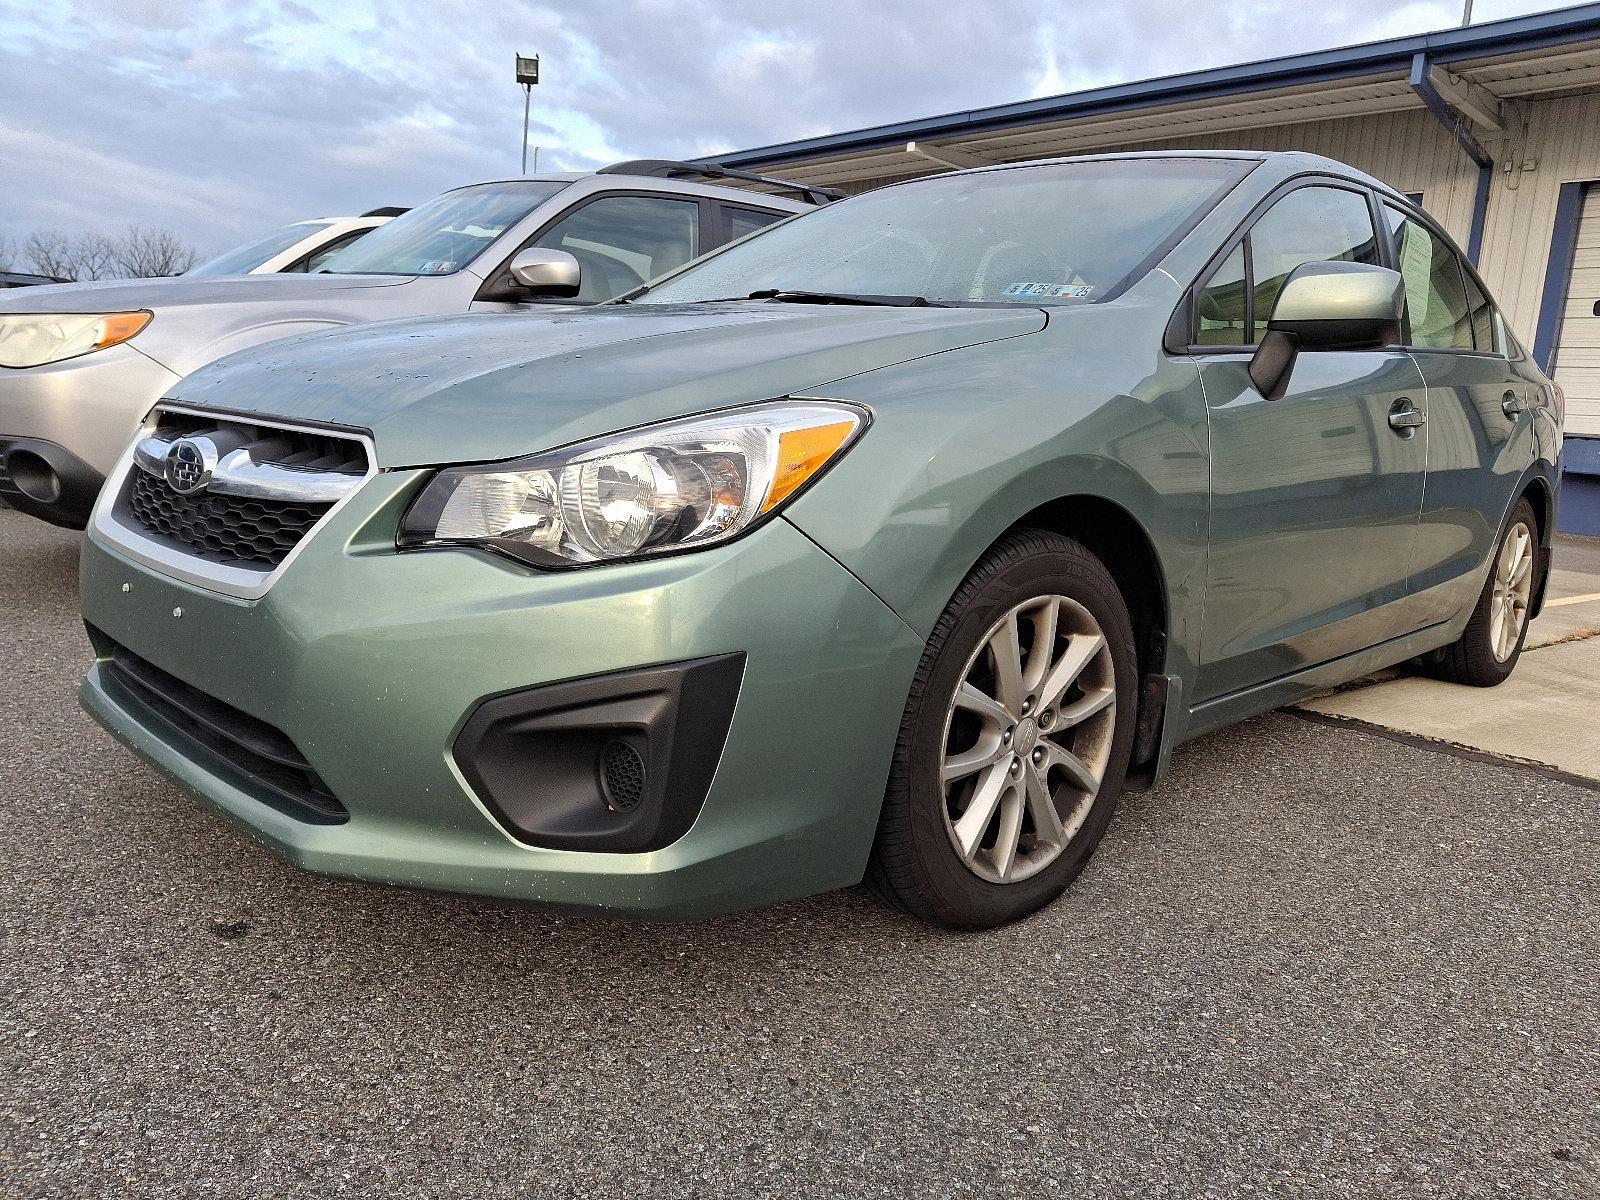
542, 272
1327, 306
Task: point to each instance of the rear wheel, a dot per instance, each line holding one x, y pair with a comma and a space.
1015, 738
1489, 647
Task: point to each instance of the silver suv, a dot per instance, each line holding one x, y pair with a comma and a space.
81, 364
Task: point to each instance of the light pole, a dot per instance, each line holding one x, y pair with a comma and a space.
527, 76
1466, 13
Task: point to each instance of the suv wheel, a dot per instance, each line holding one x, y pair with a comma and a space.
1015, 738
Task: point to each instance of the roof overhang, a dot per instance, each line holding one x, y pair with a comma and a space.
1473, 70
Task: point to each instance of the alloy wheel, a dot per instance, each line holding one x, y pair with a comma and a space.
1513, 584
1027, 738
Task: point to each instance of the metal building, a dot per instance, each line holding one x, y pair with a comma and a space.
1496, 127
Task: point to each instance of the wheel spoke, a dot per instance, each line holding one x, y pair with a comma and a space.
974, 700
1080, 652
1082, 777
1046, 821
959, 766
1006, 648
1085, 707
969, 829
1047, 616
1005, 843
1524, 565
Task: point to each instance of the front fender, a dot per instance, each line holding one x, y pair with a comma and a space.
965, 445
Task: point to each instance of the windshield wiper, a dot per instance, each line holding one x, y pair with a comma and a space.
792, 296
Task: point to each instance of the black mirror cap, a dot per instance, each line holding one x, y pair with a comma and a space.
1354, 333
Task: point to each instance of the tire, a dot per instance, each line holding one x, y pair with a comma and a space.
1008, 859
1486, 653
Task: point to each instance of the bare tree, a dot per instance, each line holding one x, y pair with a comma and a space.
96, 256
8, 253
50, 252
142, 253
137, 253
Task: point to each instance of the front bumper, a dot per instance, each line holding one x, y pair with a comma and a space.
372, 662
63, 426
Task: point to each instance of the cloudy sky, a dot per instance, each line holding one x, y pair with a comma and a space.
219, 120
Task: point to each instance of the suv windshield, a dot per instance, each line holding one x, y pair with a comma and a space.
1056, 233
241, 260
445, 234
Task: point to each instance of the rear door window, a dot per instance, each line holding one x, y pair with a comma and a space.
1435, 285
742, 222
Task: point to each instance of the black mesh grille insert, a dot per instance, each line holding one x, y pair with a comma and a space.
222, 528
622, 774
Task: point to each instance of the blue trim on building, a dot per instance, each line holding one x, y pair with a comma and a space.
1459, 127
1518, 34
1579, 509
1557, 275
1480, 213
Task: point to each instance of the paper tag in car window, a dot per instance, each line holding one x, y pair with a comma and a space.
1067, 291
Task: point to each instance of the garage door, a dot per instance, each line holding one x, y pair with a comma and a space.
1578, 350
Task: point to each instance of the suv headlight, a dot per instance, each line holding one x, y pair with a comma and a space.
664, 488
34, 339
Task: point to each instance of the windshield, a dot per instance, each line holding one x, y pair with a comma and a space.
445, 234
246, 258
1057, 233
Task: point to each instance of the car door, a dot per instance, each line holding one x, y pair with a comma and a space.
1480, 434
1315, 497
620, 239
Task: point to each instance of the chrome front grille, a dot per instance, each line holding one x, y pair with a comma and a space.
225, 501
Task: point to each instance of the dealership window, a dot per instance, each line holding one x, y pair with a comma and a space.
1436, 287
622, 241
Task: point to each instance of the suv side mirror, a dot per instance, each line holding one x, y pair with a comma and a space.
1327, 306
542, 272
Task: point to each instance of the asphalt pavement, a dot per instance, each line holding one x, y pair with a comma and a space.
1314, 962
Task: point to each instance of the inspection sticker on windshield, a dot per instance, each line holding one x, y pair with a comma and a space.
1070, 291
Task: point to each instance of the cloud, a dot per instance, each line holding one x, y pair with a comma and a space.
221, 119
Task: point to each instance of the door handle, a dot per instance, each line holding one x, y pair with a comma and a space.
1511, 404
1405, 416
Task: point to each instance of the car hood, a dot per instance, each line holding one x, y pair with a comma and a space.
121, 295
490, 386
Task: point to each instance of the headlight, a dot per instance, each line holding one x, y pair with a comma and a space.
675, 486
33, 339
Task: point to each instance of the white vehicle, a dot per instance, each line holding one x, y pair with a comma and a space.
298, 248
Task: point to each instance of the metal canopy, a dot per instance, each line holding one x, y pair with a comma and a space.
1471, 69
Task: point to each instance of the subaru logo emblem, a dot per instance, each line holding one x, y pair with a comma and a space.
189, 465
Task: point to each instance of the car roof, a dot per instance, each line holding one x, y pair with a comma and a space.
651, 183
1285, 162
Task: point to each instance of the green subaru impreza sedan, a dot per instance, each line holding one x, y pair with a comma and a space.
894, 541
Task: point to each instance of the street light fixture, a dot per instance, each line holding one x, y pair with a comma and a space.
527, 76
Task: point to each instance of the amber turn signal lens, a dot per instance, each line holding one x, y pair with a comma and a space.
801, 454
119, 327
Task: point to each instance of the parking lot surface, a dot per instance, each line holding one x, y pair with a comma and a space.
1313, 962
